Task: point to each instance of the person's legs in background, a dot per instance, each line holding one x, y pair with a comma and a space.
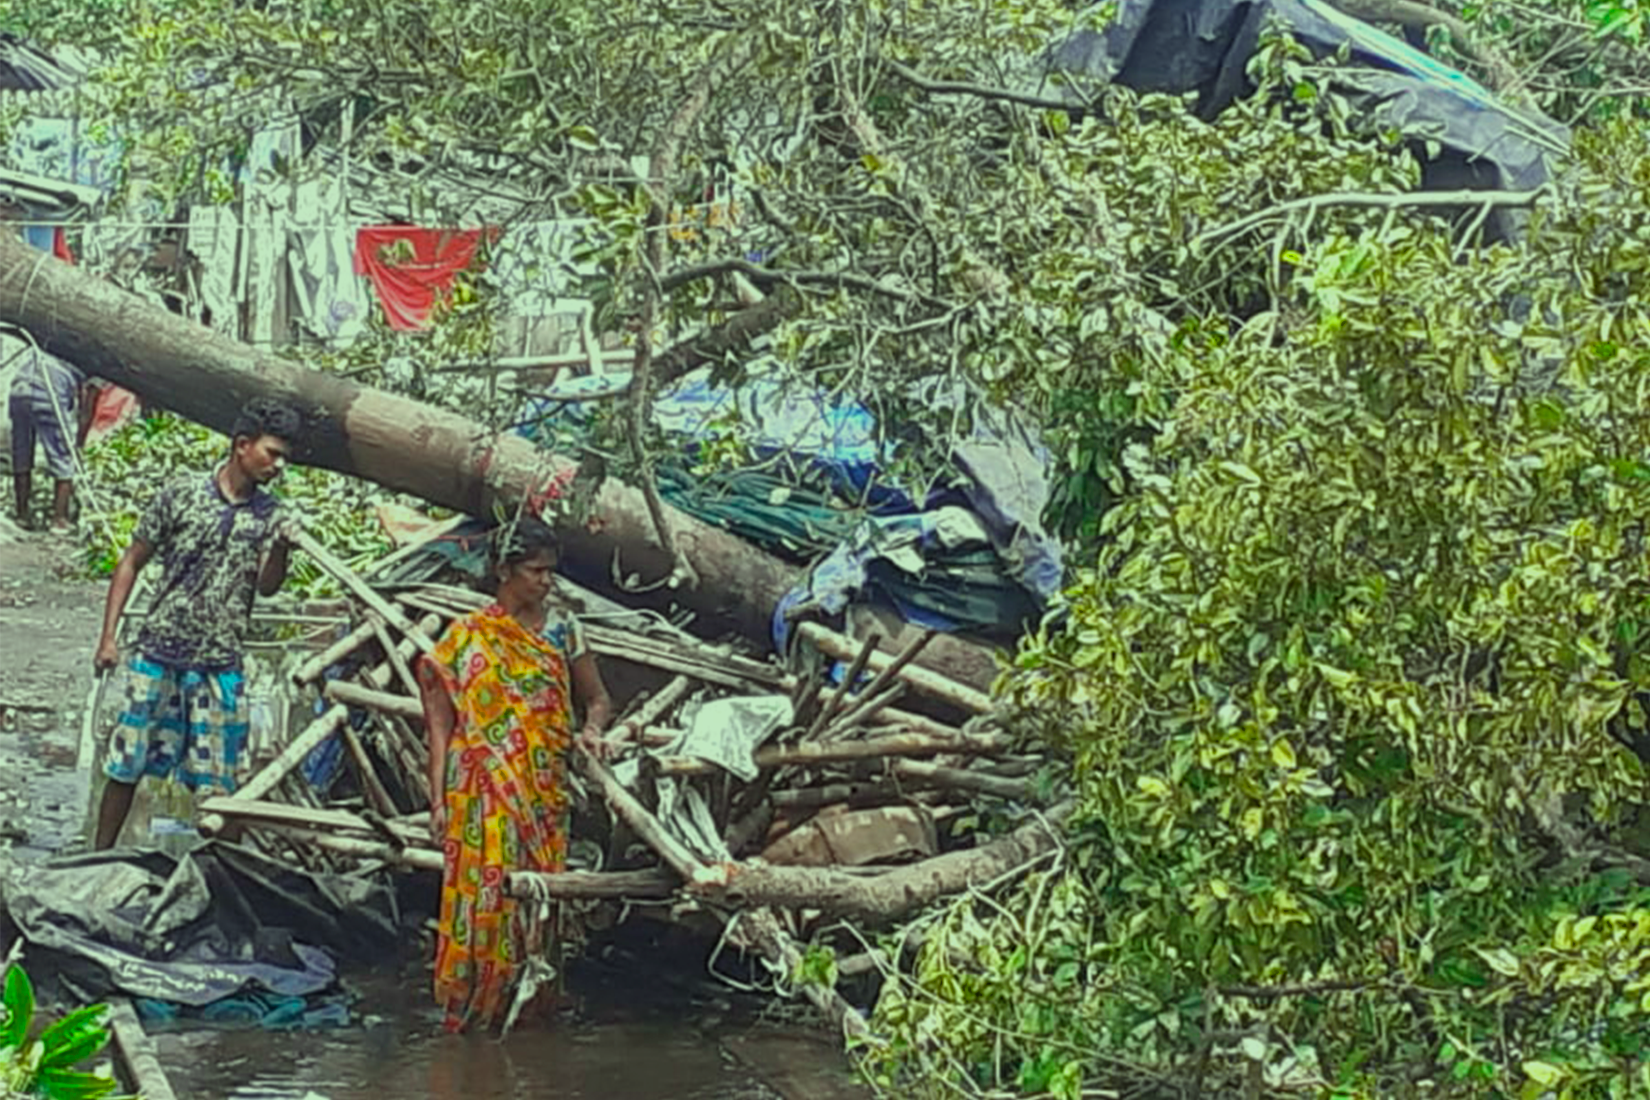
22, 456
54, 428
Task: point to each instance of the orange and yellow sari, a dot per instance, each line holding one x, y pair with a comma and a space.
506, 799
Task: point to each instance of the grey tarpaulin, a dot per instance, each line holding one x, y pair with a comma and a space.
1204, 46
192, 930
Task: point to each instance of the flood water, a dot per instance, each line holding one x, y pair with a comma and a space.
610, 1050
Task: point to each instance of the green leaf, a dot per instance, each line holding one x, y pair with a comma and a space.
74, 1038
1544, 1074
18, 999
62, 1084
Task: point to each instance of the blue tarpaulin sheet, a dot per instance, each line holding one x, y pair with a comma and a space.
970, 557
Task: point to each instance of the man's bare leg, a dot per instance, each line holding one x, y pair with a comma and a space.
112, 811
23, 488
60, 504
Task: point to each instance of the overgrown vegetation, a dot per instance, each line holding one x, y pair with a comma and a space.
1352, 682
1352, 686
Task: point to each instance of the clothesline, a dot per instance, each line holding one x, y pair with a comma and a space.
105, 224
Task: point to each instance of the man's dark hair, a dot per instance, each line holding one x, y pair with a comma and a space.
263, 416
522, 538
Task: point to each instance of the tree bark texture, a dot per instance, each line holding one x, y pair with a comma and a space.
883, 898
400, 443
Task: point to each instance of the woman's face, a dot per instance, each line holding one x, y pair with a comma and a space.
529, 580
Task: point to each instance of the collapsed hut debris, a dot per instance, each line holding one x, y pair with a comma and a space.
765, 795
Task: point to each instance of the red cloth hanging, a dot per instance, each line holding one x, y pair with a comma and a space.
409, 289
60, 245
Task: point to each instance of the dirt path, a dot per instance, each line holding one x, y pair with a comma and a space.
48, 626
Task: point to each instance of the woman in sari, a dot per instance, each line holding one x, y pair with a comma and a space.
500, 691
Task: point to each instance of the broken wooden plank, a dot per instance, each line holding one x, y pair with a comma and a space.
136, 1052
281, 813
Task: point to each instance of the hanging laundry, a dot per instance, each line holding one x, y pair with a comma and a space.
332, 301
213, 234
411, 267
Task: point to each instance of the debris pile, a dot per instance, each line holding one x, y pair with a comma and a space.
769, 797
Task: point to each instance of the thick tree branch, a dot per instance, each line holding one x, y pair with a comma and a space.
715, 344
768, 276
979, 91
1399, 201
662, 183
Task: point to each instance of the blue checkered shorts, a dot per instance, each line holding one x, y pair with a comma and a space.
179, 722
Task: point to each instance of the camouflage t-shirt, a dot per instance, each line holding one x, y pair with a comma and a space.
209, 549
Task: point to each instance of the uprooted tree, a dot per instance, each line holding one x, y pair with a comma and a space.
1354, 687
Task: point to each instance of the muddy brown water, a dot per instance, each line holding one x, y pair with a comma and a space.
612, 1052
623, 1045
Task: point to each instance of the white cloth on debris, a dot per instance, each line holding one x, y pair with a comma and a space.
727, 732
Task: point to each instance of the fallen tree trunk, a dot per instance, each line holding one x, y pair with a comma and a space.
881, 899
398, 442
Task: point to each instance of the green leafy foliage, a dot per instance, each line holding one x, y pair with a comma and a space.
44, 1066
1350, 691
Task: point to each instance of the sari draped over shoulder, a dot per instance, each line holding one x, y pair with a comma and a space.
506, 800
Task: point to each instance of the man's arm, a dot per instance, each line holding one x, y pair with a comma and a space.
272, 572
135, 558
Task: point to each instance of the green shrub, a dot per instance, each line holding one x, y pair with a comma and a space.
1347, 692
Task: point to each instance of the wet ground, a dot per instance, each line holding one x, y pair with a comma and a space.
626, 1042
48, 627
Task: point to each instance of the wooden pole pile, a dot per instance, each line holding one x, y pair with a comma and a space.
830, 804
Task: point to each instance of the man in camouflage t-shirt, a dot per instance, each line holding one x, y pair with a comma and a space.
220, 539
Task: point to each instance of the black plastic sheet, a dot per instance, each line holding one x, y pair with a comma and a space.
195, 929
1204, 46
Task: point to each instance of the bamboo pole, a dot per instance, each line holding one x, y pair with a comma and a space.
371, 785
393, 652
834, 703
641, 820
647, 883
415, 544
270, 776
924, 680
867, 708
354, 695
363, 591
312, 669
935, 775
651, 711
